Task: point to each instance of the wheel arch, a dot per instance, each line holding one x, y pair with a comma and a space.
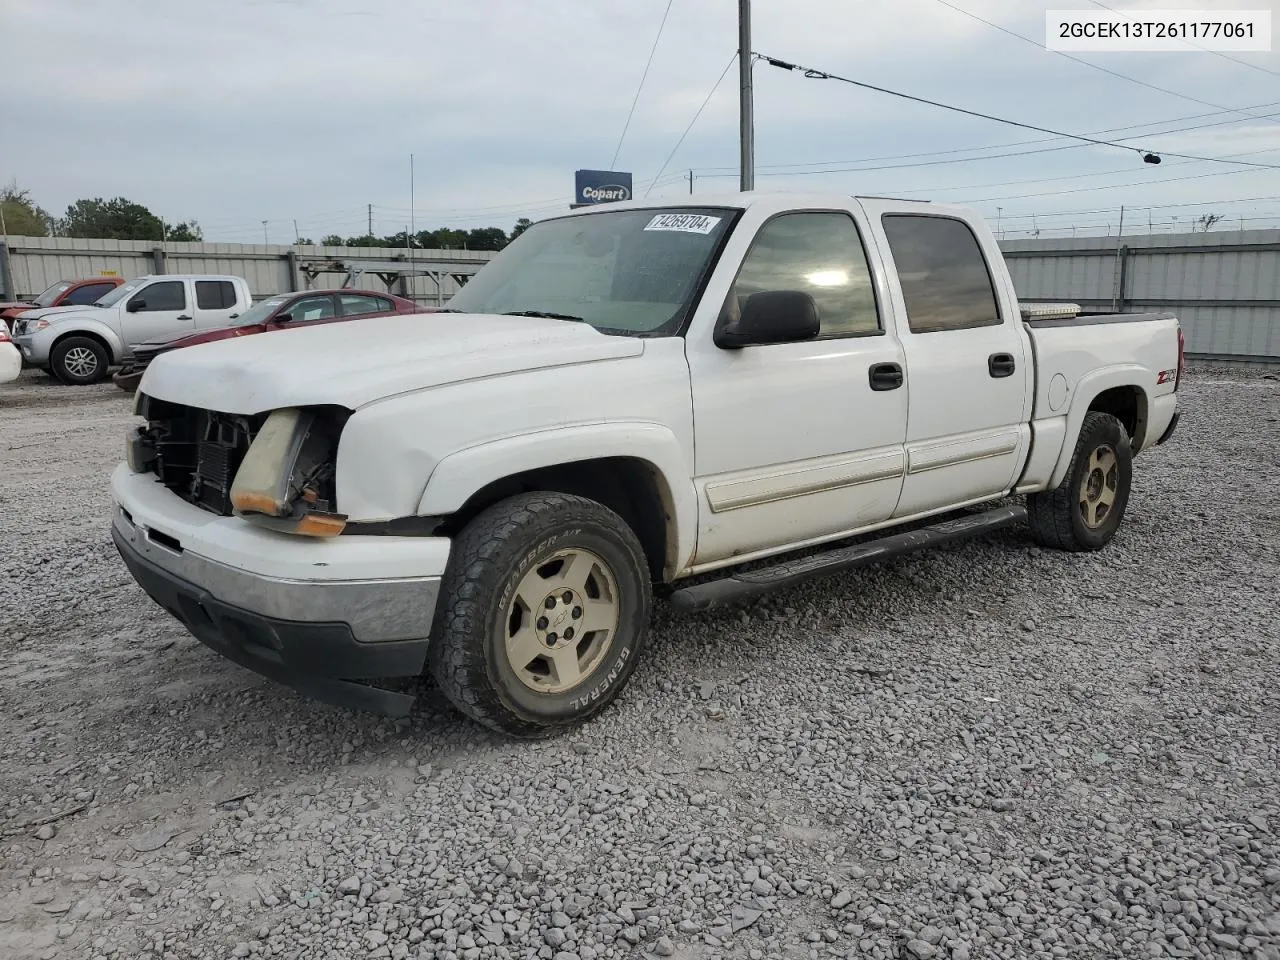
637, 470
104, 337
1122, 391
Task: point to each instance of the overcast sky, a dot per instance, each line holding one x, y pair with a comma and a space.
236, 111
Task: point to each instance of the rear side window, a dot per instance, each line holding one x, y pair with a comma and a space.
354, 305
944, 277
215, 294
88, 293
165, 295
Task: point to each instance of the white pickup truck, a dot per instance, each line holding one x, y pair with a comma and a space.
78, 345
629, 399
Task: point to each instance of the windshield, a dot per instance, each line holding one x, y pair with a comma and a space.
260, 312
119, 293
629, 272
46, 299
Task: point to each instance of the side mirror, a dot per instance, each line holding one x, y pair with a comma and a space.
772, 316
284, 318
135, 305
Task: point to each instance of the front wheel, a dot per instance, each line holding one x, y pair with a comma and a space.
79, 360
542, 614
1085, 510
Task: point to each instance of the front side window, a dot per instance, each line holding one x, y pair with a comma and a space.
311, 308
215, 294
624, 272
354, 304
165, 295
944, 277
819, 254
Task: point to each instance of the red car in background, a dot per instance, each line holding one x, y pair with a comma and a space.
64, 293
284, 311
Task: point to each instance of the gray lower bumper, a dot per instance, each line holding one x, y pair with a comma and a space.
375, 610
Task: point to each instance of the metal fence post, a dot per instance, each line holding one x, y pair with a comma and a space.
6, 275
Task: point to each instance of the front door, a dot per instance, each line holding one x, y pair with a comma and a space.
799, 441
970, 366
160, 309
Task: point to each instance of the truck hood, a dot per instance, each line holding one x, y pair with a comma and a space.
40, 312
354, 364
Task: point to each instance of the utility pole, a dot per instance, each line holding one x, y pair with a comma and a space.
370, 220
691, 183
297, 237
412, 224
999, 218
265, 238
746, 120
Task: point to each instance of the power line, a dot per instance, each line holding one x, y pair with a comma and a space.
1216, 53
707, 172
648, 63
815, 74
1093, 66
1110, 186
711, 93
1141, 206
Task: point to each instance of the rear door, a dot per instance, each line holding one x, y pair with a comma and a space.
160, 309
216, 304
968, 359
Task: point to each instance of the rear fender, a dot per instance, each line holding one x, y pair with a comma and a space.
1090, 387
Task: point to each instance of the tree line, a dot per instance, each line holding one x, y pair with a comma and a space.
122, 219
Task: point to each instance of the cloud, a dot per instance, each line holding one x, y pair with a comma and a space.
278, 109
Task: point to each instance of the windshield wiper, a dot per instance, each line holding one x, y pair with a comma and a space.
544, 314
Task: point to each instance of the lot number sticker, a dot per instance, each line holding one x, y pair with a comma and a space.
683, 223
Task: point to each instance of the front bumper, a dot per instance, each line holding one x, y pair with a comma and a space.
324, 617
34, 349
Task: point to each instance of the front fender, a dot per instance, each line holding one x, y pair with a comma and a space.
1085, 392
459, 475
56, 331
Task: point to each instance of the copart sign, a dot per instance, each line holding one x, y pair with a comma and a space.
601, 186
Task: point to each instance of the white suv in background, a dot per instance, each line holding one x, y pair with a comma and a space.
80, 346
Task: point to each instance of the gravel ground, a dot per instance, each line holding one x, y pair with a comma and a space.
984, 751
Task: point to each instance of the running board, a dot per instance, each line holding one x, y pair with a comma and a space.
717, 593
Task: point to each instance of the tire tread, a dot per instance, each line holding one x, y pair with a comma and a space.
471, 582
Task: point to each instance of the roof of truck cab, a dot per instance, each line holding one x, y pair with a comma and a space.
774, 199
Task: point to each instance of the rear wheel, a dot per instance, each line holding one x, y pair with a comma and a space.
79, 360
543, 611
1085, 510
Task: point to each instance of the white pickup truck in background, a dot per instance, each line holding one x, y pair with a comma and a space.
79, 345
628, 396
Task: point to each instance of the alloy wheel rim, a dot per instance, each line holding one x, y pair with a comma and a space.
562, 621
1099, 487
80, 362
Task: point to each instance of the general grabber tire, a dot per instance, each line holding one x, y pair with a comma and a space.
1085, 510
543, 611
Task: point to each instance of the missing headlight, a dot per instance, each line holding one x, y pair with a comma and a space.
288, 472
